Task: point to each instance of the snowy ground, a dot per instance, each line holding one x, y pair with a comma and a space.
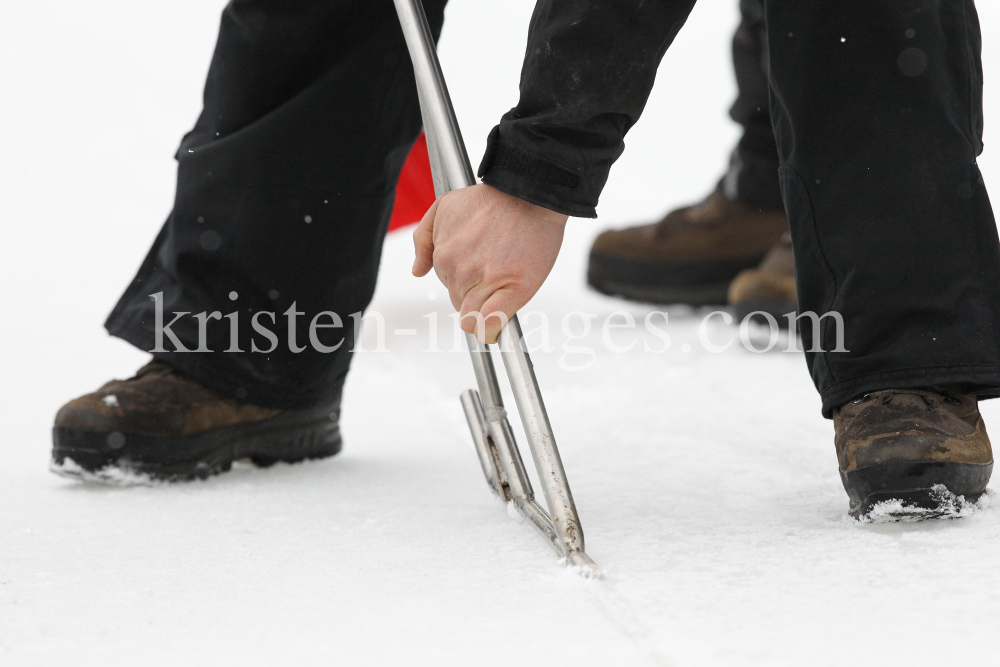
707, 483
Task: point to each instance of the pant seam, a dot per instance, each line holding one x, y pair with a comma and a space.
970, 62
826, 264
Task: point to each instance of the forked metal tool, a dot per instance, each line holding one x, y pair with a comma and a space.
484, 409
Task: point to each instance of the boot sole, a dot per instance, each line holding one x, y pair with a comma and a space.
923, 489
702, 295
693, 284
123, 458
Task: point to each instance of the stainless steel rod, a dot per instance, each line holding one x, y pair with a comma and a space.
479, 427
449, 161
495, 444
541, 440
486, 375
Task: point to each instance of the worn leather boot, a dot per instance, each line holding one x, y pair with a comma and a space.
163, 425
689, 257
913, 446
768, 288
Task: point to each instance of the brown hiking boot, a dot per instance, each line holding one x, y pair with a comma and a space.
688, 257
910, 450
163, 425
768, 288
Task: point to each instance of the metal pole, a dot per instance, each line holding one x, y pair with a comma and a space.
498, 453
449, 161
541, 440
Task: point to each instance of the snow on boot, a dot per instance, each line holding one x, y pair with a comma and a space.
162, 425
768, 288
689, 257
912, 453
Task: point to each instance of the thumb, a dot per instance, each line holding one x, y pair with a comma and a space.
423, 242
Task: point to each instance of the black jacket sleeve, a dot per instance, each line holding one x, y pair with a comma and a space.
587, 72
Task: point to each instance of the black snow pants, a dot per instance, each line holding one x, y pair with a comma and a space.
285, 187
877, 109
284, 191
892, 226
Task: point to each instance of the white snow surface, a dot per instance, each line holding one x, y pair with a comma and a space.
707, 483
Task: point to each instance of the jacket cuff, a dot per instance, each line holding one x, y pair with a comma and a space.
534, 179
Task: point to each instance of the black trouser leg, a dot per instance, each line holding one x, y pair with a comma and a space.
877, 110
284, 192
753, 168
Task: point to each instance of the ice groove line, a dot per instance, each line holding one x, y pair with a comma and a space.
619, 611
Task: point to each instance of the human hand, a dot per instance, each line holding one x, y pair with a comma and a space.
491, 250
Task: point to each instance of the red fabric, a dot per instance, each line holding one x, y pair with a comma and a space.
415, 189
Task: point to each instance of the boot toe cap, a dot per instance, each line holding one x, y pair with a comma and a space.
95, 412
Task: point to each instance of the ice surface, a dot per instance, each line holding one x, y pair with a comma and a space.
707, 483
